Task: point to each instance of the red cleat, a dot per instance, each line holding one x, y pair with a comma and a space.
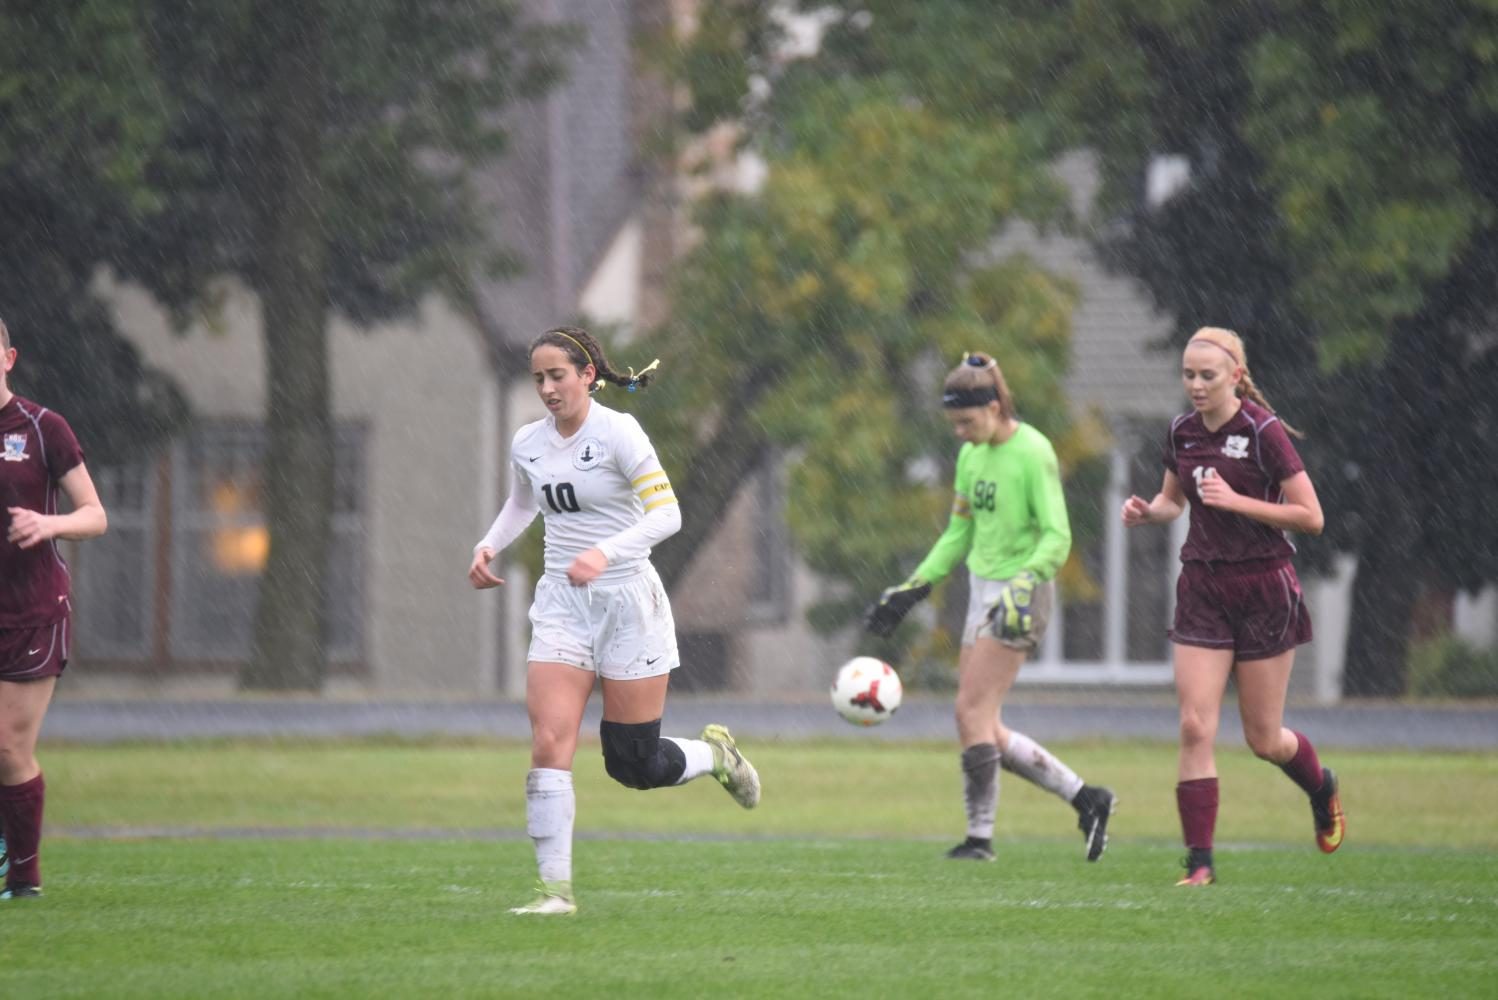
1199, 876
1326, 810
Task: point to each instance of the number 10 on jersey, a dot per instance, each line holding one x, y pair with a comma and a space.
563, 500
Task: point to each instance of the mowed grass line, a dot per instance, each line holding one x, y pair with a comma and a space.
834, 790
231, 918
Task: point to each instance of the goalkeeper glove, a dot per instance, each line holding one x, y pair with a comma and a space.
885, 616
1010, 617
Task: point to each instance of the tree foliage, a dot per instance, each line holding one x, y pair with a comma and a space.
821, 311
320, 153
1340, 214
323, 154
79, 120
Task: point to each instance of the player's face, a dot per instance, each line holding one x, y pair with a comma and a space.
1210, 377
974, 423
7, 362
560, 387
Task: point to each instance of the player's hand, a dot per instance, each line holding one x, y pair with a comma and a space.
1136, 511
1215, 492
586, 567
479, 573
1010, 617
893, 605
28, 528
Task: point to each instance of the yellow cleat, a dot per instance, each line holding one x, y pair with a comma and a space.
1326, 810
731, 767
553, 899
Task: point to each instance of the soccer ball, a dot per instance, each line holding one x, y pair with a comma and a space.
867, 691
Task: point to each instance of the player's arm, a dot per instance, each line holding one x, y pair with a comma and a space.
662, 515
86, 520
1010, 615
895, 602
1166, 506
514, 517
1299, 511
1048, 502
953, 545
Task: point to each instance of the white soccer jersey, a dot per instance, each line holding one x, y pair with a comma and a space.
589, 487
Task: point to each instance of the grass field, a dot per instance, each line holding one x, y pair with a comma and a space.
383, 869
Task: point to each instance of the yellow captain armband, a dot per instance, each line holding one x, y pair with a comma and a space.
654, 490
961, 507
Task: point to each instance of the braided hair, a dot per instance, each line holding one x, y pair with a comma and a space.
1229, 341
583, 349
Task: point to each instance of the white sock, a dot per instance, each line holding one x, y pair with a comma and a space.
550, 807
1039, 766
699, 755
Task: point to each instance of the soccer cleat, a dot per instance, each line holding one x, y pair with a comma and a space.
1094, 805
553, 899
1326, 811
1199, 876
21, 890
972, 849
731, 767
4, 857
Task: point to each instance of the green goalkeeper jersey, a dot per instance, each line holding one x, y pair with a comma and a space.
1008, 514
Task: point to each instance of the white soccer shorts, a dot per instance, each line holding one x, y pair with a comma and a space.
981, 595
622, 631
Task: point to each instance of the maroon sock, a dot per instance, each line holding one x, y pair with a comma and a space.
1197, 802
21, 815
1305, 767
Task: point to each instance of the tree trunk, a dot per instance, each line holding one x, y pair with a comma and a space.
1390, 549
1383, 596
297, 470
717, 470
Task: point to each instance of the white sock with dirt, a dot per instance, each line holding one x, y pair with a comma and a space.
1039, 766
980, 788
550, 808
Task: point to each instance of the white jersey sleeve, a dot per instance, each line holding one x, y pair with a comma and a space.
515, 516
661, 520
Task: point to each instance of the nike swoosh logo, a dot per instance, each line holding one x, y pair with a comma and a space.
33, 652
649, 662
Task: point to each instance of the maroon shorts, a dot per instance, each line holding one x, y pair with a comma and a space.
34, 654
1253, 608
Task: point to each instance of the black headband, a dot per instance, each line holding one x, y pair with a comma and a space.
962, 399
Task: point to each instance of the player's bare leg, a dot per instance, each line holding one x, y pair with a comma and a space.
22, 787
555, 696
1262, 687
1201, 677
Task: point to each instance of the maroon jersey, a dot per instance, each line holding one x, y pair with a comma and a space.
39, 450
1253, 454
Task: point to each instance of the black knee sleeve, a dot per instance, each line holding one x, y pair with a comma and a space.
635, 755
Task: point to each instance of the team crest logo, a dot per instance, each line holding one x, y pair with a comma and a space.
15, 447
1236, 446
589, 453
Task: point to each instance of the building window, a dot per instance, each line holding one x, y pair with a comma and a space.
221, 541
114, 583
